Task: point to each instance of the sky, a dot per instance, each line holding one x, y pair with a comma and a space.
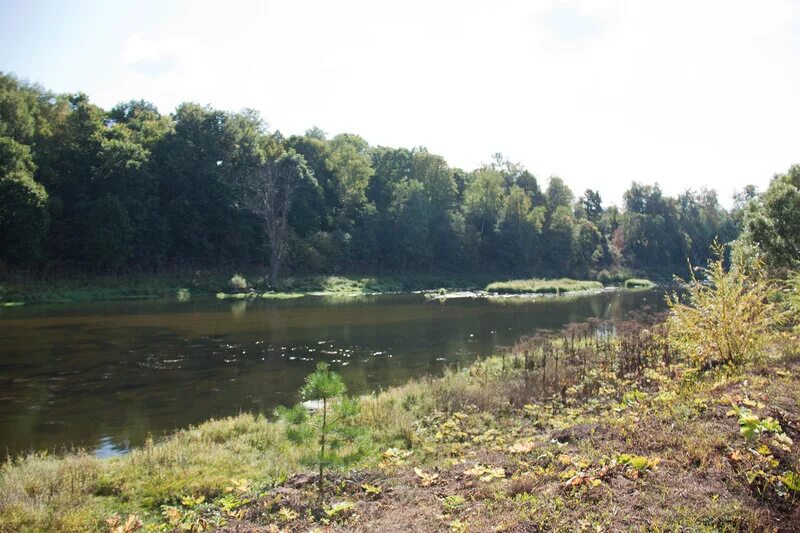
684, 93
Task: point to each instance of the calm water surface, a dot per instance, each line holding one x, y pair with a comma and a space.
105, 375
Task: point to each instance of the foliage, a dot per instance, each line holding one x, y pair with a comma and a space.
88, 190
751, 425
725, 318
772, 222
332, 436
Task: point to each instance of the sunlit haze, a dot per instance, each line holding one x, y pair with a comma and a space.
687, 94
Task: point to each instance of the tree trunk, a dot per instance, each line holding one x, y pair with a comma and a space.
322, 449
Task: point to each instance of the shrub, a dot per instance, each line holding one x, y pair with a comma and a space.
727, 318
238, 282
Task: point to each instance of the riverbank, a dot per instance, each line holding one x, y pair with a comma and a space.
17, 289
576, 429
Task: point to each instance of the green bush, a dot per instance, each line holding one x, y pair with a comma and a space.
727, 318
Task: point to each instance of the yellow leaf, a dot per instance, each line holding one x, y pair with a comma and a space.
426, 479
522, 447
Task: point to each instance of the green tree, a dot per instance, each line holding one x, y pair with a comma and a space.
520, 231
351, 165
652, 237
23, 205
483, 204
331, 437
592, 205
559, 236
588, 250
773, 221
409, 218
558, 195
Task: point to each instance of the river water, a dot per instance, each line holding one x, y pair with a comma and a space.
105, 375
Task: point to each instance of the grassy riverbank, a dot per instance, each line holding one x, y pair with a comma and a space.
20, 290
542, 286
575, 429
638, 283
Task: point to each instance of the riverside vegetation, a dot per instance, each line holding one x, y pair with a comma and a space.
132, 202
656, 422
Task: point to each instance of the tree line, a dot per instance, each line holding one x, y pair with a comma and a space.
131, 189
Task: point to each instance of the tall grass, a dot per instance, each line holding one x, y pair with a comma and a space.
542, 286
638, 283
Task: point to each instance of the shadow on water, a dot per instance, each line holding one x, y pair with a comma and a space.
105, 375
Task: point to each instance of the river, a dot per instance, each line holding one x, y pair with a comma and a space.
106, 375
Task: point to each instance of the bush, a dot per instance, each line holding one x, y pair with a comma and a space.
238, 282
727, 318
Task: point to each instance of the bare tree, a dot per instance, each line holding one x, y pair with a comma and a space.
267, 192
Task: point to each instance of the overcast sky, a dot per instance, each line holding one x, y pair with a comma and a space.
688, 94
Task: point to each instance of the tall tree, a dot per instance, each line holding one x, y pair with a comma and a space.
267, 192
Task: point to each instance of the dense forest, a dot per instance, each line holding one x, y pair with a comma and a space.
129, 189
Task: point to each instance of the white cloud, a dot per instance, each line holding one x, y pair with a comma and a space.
685, 93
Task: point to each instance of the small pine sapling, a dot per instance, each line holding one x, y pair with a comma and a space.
331, 437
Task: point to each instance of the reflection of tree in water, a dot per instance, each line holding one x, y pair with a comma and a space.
238, 308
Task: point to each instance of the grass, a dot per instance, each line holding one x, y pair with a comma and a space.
263, 295
542, 286
638, 283
579, 428
20, 288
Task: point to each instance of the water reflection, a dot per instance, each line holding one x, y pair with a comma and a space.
106, 375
